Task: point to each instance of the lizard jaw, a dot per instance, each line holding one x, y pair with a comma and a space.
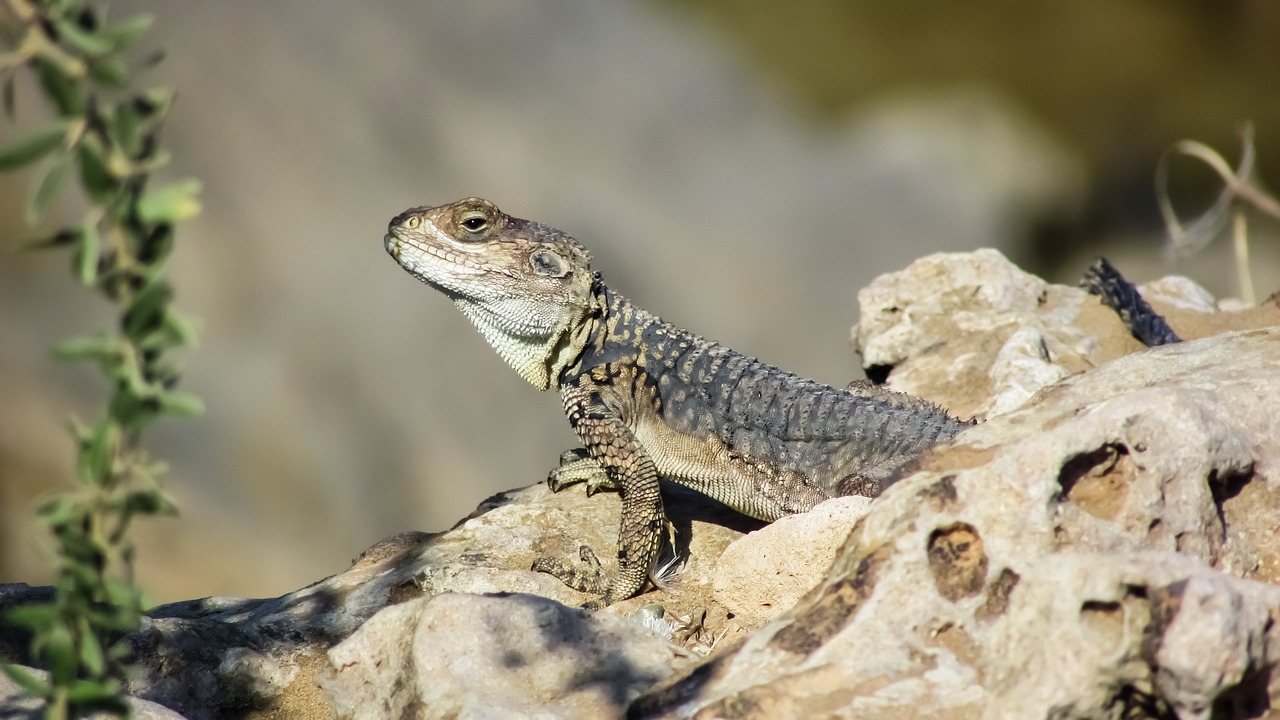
444, 269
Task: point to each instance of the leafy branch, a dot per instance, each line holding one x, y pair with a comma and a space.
109, 135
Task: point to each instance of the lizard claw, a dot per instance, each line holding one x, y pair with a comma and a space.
576, 467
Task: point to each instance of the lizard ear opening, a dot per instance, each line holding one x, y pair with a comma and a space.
548, 264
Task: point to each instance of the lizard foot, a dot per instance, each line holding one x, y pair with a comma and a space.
576, 467
588, 576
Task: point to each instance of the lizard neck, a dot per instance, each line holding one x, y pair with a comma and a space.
538, 355
613, 333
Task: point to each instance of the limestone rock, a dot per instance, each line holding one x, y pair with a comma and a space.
764, 573
975, 332
215, 657
1070, 560
1104, 546
475, 656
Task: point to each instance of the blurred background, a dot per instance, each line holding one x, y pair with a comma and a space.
740, 168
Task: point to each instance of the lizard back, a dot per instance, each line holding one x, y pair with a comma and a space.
729, 424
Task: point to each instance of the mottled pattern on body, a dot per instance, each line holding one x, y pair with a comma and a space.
648, 399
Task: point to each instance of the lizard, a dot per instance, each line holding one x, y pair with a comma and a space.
648, 399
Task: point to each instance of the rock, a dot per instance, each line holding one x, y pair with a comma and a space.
14, 705
1069, 559
980, 335
476, 656
215, 657
1105, 545
764, 573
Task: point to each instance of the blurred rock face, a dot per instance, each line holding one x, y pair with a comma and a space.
347, 402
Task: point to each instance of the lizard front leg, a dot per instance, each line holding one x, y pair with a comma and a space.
612, 446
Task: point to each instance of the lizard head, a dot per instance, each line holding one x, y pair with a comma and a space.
526, 286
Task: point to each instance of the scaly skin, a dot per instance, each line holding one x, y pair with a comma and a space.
648, 399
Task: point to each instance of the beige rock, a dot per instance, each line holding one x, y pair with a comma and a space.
976, 333
1104, 546
261, 658
765, 572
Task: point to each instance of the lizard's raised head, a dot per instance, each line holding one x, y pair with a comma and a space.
525, 285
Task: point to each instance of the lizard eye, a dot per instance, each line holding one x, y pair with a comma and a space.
475, 223
413, 222
548, 264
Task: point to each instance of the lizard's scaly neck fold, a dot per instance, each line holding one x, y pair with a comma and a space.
540, 358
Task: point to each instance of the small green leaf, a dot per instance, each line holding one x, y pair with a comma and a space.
154, 102
92, 692
126, 32
91, 655
174, 331
120, 594
88, 43
170, 203
127, 407
123, 124
30, 683
182, 404
183, 331
66, 91
158, 159
97, 180
86, 558
60, 653
99, 348
33, 146
59, 510
146, 310
90, 252
156, 245
109, 71
48, 188
99, 456
149, 502
32, 616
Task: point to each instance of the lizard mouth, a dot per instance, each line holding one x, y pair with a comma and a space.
447, 271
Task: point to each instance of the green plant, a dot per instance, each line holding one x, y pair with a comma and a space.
109, 135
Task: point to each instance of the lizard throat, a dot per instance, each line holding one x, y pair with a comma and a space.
538, 353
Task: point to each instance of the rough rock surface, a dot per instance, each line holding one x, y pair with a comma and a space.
1104, 546
764, 573
468, 656
1059, 561
217, 657
982, 336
